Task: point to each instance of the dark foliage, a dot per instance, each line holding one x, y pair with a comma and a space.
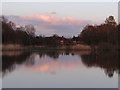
104, 33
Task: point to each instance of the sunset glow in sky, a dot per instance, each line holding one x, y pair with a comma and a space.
62, 18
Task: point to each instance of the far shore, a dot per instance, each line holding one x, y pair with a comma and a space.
80, 47
8, 47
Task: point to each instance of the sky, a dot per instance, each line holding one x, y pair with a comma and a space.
62, 18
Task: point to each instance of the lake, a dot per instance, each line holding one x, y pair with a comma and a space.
59, 69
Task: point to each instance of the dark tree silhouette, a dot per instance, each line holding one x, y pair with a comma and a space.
104, 34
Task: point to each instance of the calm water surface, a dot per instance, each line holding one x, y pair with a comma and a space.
59, 69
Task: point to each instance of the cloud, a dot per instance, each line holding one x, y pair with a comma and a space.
51, 20
50, 24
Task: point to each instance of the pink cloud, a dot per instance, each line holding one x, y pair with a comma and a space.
51, 24
54, 20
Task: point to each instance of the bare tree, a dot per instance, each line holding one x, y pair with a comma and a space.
110, 20
30, 29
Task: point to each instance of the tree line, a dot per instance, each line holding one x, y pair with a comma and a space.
25, 35
104, 34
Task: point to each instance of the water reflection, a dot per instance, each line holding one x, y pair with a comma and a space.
106, 60
51, 61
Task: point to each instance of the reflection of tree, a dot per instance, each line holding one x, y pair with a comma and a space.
110, 72
30, 60
52, 54
9, 62
106, 60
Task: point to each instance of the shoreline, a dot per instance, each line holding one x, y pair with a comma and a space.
79, 47
13, 47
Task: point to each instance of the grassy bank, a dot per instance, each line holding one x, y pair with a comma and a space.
10, 47
79, 47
